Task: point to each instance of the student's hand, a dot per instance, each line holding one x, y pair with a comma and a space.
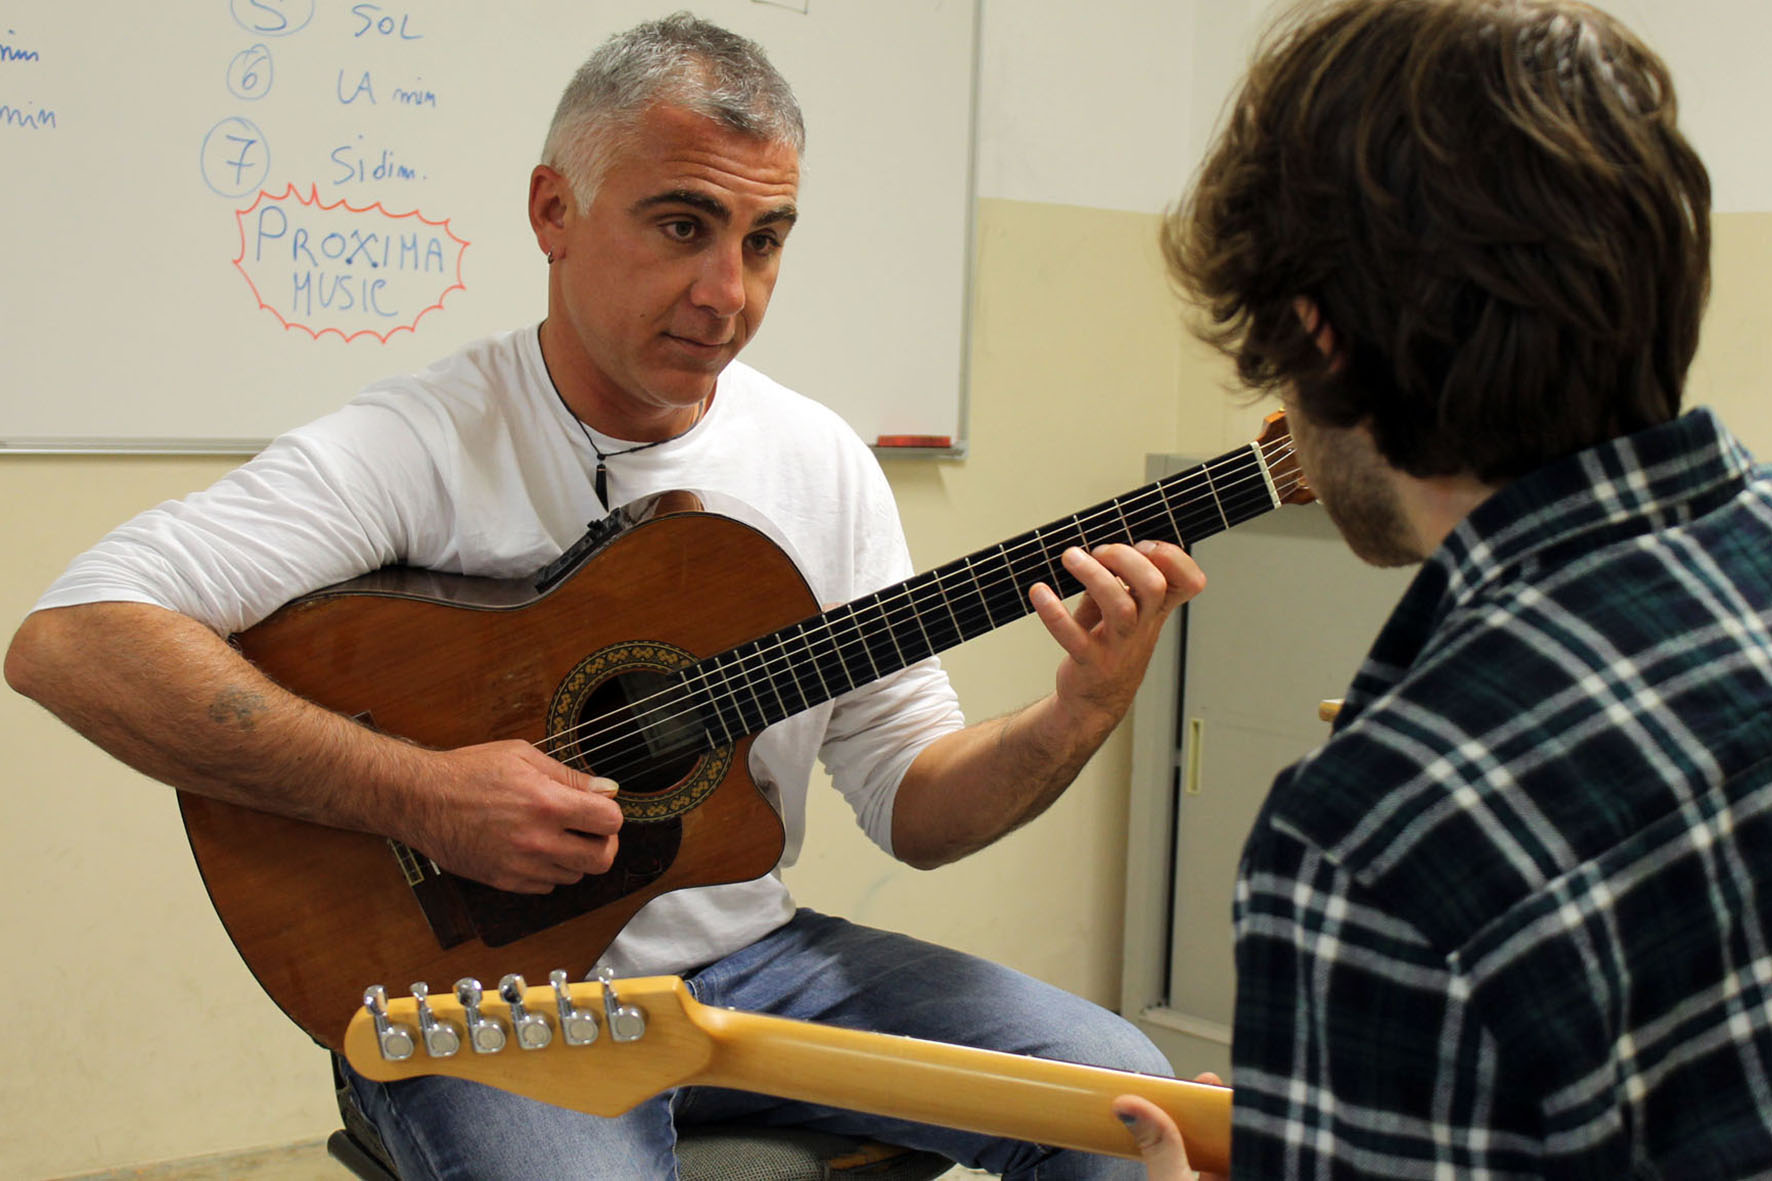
1159, 1140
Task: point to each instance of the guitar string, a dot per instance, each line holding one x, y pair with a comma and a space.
916, 602
728, 685
1234, 496
683, 703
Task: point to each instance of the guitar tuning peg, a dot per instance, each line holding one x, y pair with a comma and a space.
578, 1026
533, 1030
441, 1038
626, 1023
485, 1034
395, 1040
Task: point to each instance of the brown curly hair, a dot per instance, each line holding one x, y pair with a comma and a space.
1490, 204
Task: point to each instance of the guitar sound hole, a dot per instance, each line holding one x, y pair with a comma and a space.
637, 729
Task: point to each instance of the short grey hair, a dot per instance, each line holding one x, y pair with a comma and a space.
678, 61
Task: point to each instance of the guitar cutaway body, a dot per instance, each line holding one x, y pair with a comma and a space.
447, 661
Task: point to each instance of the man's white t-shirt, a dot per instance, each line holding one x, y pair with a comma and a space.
475, 466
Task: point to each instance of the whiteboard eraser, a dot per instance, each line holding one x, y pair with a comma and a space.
914, 441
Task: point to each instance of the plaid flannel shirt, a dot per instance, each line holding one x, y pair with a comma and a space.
1511, 919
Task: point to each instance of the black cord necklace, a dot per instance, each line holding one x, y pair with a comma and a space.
600, 481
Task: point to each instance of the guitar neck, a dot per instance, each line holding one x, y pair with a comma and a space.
1021, 1098
744, 689
648, 1035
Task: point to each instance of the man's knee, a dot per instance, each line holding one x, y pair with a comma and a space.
1130, 1049
1096, 1036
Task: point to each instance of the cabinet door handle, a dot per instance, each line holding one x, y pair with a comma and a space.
1190, 782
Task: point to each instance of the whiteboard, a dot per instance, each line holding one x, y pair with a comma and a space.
221, 220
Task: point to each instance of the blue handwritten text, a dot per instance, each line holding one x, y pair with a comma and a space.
414, 252
354, 167
417, 96
378, 21
337, 293
365, 88
12, 53
31, 118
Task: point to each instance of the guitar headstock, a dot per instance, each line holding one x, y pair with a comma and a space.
600, 1046
1275, 444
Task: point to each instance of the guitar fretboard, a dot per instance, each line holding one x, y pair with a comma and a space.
745, 689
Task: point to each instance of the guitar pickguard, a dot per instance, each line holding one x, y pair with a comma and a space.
500, 918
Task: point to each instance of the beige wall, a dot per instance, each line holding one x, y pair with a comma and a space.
1733, 371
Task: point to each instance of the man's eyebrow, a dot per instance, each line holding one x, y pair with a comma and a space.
714, 207
788, 214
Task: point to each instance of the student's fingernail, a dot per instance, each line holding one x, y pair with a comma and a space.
1128, 1118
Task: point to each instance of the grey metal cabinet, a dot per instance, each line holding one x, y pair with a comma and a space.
1231, 697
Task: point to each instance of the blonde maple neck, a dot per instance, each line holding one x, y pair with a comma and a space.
684, 1042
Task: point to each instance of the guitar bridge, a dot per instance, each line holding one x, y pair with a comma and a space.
435, 894
409, 863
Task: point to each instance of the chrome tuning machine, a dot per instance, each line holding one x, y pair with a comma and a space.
395, 1040
442, 1039
626, 1023
485, 1034
577, 1026
532, 1029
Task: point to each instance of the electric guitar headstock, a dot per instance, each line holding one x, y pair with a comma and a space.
595, 1046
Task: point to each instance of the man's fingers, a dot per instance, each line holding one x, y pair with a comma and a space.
1109, 595
582, 780
588, 819
1182, 576
1158, 573
1071, 635
1132, 582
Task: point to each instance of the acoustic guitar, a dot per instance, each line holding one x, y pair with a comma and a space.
651, 652
607, 1045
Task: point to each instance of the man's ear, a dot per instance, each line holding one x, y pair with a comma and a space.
550, 203
1311, 316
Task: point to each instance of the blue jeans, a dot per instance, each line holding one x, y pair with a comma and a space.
815, 968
